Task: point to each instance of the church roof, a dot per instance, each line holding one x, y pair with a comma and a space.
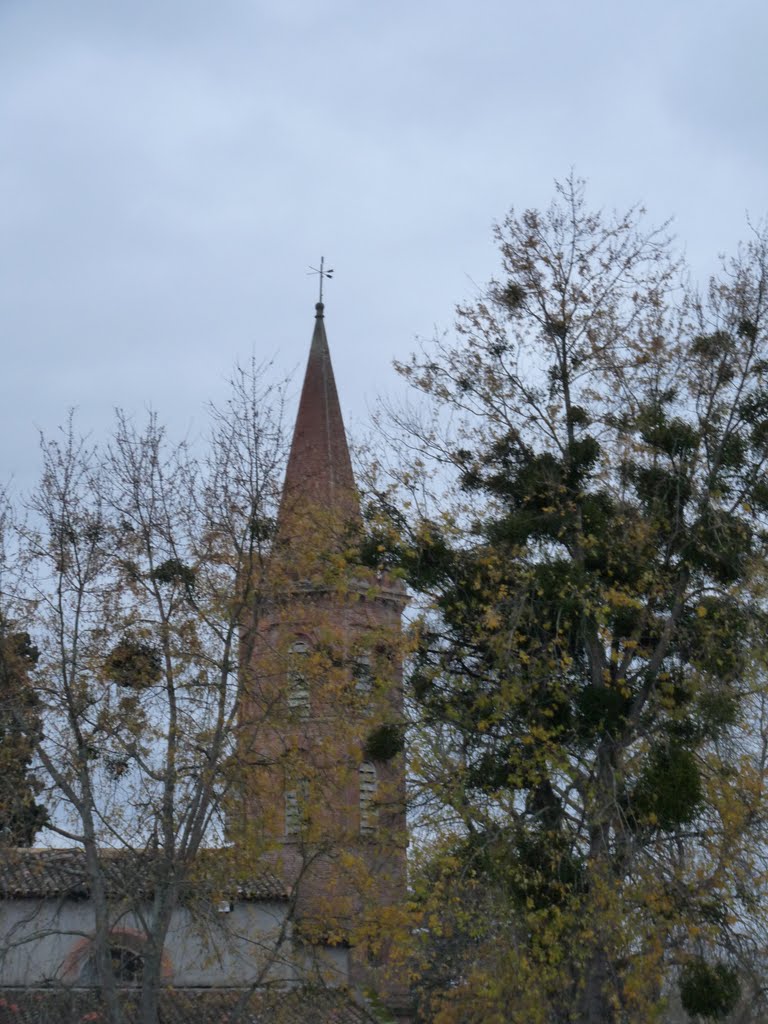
43, 873
319, 471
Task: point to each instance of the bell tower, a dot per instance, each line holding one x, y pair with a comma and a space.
320, 741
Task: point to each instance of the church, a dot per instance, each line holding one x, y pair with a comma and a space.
320, 793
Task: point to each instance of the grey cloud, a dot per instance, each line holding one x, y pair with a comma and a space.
168, 170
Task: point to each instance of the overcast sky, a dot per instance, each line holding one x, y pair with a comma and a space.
169, 169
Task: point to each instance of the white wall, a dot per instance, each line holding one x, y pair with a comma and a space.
47, 940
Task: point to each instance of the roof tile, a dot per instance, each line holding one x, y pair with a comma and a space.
43, 873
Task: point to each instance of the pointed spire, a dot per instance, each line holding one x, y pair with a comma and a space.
318, 480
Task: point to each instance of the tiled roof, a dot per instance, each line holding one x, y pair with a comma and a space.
38, 873
293, 1006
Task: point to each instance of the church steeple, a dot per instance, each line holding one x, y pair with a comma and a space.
319, 474
324, 674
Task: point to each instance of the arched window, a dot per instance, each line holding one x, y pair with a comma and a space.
296, 802
127, 964
125, 953
369, 812
298, 685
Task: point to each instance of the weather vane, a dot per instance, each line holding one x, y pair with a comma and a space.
322, 273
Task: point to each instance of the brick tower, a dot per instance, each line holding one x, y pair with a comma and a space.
320, 729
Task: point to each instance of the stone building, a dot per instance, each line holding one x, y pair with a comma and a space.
321, 792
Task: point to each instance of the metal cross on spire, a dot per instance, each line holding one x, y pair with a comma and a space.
322, 273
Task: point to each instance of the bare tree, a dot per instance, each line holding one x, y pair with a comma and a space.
137, 564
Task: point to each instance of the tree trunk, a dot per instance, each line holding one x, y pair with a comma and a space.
594, 1005
157, 930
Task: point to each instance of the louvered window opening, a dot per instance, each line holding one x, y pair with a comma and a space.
298, 685
363, 675
296, 801
369, 814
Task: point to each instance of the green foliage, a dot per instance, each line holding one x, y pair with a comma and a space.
601, 709
511, 296
21, 817
591, 653
171, 571
709, 990
669, 792
385, 742
133, 663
